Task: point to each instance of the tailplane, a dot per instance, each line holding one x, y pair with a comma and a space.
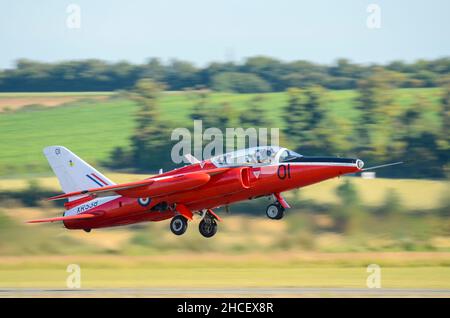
73, 173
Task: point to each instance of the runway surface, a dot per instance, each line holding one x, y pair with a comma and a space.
225, 292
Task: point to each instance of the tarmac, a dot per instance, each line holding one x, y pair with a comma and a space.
224, 292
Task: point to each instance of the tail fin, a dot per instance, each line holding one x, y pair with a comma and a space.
73, 173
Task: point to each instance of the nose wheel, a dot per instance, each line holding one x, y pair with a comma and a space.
178, 225
275, 211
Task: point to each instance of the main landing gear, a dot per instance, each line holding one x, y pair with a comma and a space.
178, 225
207, 226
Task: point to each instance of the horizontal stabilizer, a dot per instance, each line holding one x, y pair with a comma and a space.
65, 218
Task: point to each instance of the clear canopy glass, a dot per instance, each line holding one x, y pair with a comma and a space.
256, 156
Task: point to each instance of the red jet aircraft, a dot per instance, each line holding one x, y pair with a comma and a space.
94, 201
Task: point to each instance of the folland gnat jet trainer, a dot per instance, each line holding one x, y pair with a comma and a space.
94, 201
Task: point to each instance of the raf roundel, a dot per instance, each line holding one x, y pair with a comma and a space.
144, 201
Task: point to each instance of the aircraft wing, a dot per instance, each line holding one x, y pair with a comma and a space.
83, 216
105, 191
150, 187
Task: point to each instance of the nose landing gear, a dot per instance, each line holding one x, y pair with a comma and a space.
275, 211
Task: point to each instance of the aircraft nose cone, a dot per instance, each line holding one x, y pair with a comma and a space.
359, 164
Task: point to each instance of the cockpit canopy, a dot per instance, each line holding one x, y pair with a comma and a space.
256, 156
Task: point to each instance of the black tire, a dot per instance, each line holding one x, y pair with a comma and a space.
275, 212
207, 228
178, 225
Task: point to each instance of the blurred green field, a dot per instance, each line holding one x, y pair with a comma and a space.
92, 128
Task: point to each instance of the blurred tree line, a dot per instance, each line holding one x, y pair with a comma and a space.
256, 74
384, 131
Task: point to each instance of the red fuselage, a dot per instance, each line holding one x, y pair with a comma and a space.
234, 185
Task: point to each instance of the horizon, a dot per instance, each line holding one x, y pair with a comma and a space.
223, 31
238, 63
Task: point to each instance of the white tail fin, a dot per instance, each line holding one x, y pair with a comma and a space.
73, 173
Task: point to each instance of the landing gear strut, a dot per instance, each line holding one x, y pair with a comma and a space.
178, 225
208, 226
275, 211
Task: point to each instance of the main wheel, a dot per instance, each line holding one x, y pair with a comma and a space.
178, 225
275, 212
207, 227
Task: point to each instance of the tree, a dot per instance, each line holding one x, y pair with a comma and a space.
151, 140
378, 110
155, 70
295, 117
305, 118
118, 159
392, 204
269, 69
182, 74
444, 112
220, 116
335, 135
256, 74
203, 111
255, 114
314, 105
444, 135
348, 208
344, 68
239, 83
414, 139
347, 193
225, 116
207, 74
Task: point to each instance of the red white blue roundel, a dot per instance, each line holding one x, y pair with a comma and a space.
144, 201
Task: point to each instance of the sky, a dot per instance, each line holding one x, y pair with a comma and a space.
203, 31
